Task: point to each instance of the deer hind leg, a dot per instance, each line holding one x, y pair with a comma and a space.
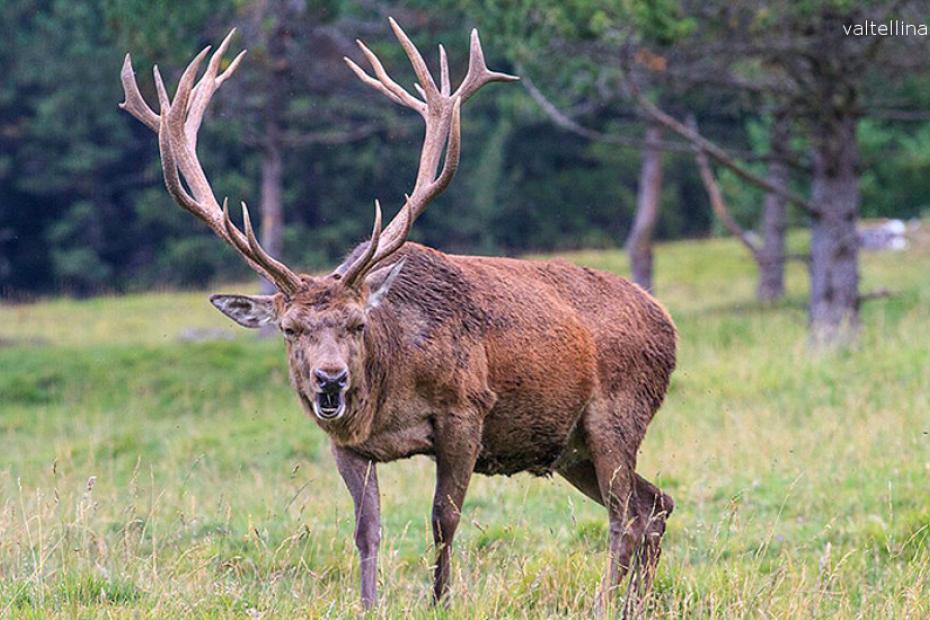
613, 461
636, 509
583, 477
649, 508
641, 543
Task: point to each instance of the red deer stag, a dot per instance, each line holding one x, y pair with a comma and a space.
489, 365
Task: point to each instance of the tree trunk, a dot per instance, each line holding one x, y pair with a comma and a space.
639, 242
273, 40
834, 266
272, 207
486, 183
772, 256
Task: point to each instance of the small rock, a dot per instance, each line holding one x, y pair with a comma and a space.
887, 234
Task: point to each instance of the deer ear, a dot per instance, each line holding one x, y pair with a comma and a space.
246, 310
380, 282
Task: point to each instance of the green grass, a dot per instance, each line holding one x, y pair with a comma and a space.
145, 476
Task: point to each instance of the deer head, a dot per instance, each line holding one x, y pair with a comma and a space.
324, 319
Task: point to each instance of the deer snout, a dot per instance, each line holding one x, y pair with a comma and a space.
331, 379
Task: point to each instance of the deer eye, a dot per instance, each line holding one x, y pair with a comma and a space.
288, 331
357, 328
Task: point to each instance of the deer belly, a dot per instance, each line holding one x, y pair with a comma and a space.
530, 426
544, 373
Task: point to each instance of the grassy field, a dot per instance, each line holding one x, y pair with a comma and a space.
147, 475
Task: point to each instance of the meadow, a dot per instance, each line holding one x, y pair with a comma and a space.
148, 473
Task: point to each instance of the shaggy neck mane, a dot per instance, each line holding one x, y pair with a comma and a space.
430, 296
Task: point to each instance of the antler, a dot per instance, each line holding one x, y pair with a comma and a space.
441, 111
177, 124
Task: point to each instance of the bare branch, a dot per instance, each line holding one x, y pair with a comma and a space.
565, 120
902, 115
879, 293
715, 152
719, 206
561, 119
332, 136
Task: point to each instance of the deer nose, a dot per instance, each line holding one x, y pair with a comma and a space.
331, 379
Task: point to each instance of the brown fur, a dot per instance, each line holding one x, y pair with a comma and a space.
526, 345
499, 366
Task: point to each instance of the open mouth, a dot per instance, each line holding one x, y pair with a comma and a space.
329, 405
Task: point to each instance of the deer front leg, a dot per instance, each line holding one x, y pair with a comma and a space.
362, 480
456, 453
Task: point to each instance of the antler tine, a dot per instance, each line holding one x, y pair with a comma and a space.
431, 93
243, 245
363, 265
177, 126
133, 102
213, 66
237, 240
384, 82
370, 81
445, 88
228, 73
164, 102
287, 280
478, 73
203, 92
259, 260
